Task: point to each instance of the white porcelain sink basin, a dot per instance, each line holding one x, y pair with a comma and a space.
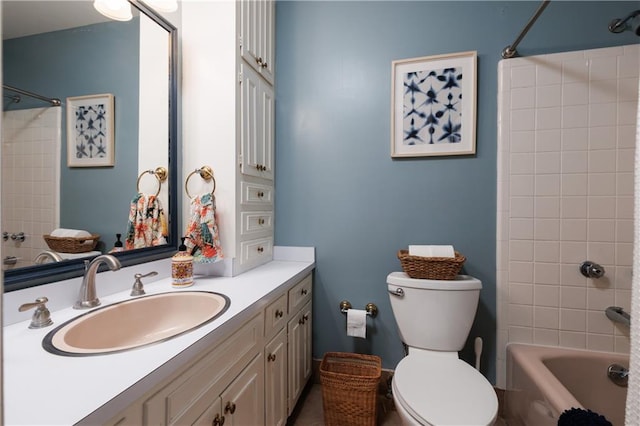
135, 322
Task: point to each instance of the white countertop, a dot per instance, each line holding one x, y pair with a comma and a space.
41, 388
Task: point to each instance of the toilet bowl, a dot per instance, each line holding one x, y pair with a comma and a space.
431, 385
440, 389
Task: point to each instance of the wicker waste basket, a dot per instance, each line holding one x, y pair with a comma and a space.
349, 388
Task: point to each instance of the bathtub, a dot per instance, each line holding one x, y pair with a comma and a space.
543, 381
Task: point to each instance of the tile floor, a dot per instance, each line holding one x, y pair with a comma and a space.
309, 411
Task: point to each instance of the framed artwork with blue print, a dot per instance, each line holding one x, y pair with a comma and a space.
90, 131
433, 105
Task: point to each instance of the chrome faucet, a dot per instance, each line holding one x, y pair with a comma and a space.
47, 254
87, 297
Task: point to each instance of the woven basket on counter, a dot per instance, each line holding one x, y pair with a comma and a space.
72, 244
349, 388
431, 268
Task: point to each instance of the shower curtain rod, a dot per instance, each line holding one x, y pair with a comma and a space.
510, 51
52, 101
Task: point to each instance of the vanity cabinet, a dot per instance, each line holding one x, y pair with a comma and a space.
254, 376
228, 120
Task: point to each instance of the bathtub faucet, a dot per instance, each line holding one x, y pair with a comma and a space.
617, 314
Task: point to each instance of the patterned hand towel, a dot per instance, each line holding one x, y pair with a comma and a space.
203, 241
147, 225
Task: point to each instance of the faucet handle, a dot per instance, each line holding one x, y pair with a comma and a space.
41, 317
138, 288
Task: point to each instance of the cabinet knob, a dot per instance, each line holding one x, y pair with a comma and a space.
264, 64
305, 317
279, 313
260, 221
230, 407
302, 320
260, 249
303, 292
259, 61
260, 194
271, 357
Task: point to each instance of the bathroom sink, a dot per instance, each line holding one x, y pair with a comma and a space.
135, 322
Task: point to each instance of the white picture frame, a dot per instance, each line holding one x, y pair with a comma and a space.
433, 105
90, 131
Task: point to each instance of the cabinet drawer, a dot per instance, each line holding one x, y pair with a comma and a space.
256, 222
256, 194
300, 294
255, 250
275, 315
193, 390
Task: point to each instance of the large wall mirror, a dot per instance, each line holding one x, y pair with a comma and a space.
122, 75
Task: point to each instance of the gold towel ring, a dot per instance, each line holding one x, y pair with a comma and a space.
160, 173
205, 173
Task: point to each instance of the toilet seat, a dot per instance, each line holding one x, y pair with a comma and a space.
438, 390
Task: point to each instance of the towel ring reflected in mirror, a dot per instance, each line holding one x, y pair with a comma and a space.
161, 175
205, 173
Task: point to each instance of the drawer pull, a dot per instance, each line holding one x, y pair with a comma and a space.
259, 61
303, 292
302, 320
279, 313
271, 357
305, 317
260, 194
260, 221
260, 249
218, 421
230, 407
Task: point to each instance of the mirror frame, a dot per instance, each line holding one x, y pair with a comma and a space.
31, 276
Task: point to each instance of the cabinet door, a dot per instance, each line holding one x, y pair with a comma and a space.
243, 400
299, 351
275, 391
256, 108
256, 37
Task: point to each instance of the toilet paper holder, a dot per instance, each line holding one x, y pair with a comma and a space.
372, 310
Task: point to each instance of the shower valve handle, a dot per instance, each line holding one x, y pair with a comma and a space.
591, 269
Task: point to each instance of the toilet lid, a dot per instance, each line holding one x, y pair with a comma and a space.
444, 391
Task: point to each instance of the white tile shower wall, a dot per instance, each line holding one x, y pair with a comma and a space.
30, 176
566, 146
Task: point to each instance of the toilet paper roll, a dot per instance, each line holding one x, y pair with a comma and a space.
357, 323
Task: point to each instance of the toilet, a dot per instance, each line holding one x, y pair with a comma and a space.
431, 385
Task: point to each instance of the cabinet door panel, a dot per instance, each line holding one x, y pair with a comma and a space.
256, 36
243, 400
276, 380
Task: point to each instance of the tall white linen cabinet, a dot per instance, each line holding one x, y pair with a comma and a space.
228, 121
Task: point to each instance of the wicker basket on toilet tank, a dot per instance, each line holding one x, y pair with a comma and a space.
431, 268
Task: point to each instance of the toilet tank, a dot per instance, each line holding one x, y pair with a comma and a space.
434, 314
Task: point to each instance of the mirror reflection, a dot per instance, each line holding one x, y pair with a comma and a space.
88, 176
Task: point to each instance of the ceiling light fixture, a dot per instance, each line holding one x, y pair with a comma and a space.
163, 5
120, 10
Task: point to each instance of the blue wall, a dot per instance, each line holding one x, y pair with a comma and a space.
337, 187
100, 58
